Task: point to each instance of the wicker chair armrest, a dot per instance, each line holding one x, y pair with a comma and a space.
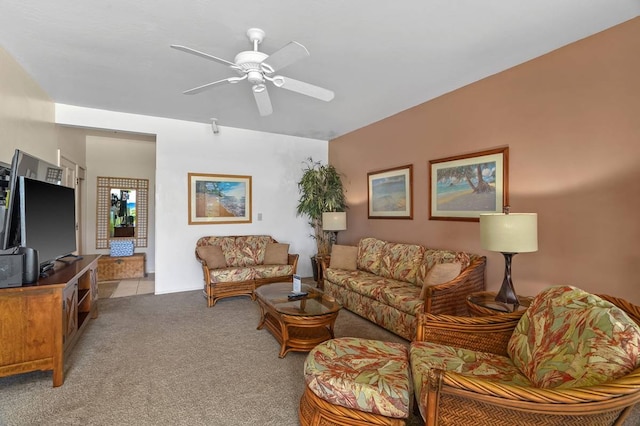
293, 260
485, 334
450, 297
633, 311
198, 258
618, 393
325, 261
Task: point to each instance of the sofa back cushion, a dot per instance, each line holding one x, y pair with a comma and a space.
401, 261
570, 338
239, 251
433, 257
369, 254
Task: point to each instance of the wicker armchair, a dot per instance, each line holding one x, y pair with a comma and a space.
449, 398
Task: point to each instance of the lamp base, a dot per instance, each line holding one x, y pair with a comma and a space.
507, 293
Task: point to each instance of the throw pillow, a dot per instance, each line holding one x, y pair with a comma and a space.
344, 257
571, 338
439, 274
213, 256
276, 254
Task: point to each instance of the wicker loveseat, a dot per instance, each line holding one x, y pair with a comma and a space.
236, 265
390, 283
572, 358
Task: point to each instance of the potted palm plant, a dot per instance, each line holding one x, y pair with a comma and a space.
321, 191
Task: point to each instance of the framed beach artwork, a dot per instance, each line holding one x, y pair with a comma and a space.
465, 186
219, 199
391, 193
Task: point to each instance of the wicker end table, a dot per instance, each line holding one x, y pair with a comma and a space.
483, 303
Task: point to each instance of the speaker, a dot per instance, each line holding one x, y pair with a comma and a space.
10, 270
30, 265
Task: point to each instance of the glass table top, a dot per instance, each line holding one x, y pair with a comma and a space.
315, 303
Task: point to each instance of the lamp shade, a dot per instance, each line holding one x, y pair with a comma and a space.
509, 233
334, 221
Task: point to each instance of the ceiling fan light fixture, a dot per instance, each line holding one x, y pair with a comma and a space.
258, 88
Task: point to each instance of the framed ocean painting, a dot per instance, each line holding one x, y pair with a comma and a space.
390, 193
219, 199
465, 186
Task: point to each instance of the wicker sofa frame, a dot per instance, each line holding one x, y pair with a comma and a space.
449, 298
451, 399
214, 291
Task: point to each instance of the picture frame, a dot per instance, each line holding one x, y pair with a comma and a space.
390, 194
454, 189
216, 199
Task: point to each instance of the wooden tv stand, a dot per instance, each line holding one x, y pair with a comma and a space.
41, 322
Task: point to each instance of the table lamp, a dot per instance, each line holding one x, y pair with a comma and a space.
334, 222
510, 234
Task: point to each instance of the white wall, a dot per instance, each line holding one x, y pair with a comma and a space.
26, 114
119, 156
274, 162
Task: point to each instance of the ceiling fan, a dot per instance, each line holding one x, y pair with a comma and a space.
258, 68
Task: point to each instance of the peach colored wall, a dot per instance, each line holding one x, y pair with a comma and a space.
571, 119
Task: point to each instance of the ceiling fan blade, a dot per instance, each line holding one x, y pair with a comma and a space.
202, 54
209, 86
287, 55
262, 100
307, 89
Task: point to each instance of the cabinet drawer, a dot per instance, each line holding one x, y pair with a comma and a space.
119, 268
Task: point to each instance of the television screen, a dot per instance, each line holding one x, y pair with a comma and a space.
23, 164
47, 219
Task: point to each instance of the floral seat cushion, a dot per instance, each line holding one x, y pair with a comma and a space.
569, 338
426, 356
361, 374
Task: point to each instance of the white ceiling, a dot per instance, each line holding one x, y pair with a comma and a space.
379, 57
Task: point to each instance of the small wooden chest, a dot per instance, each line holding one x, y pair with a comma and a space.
121, 267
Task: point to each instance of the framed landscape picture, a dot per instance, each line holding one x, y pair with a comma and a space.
465, 186
390, 193
219, 199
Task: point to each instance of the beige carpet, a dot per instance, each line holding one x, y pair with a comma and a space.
170, 360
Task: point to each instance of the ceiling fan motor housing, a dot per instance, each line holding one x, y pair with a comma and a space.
248, 62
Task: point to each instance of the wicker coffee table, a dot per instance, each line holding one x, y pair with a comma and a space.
298, 325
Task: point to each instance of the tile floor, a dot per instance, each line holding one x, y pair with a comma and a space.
134, 286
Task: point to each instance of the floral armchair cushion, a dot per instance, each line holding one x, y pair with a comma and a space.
425, 356
570, 338
362, 374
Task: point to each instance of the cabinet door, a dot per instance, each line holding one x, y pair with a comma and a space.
70, 312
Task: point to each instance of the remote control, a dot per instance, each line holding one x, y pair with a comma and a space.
297, 296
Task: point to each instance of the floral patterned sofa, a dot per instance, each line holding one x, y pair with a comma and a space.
236, 265
390, 283
572, 358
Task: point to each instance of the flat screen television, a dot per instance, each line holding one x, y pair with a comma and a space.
47, 220
22, 164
